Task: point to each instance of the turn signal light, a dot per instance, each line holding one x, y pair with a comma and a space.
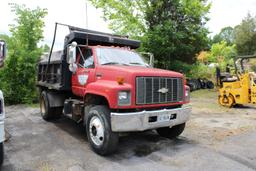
120, 80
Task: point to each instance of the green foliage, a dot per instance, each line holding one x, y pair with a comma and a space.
46, 48
196, 70
170, 29
19, 73
245, 36
222, 53
226, 34
200, 70
125, 17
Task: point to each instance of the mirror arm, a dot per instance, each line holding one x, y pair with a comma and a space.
81, 54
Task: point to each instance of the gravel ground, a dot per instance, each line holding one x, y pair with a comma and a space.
215, 138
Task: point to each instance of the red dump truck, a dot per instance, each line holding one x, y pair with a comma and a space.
98, 79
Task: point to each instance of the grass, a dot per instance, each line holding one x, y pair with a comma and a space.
207, 99
44, 166
205, 93
34, 105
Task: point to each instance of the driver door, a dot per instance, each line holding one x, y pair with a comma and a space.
85, 71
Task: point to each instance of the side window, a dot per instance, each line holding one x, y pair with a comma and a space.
87, 62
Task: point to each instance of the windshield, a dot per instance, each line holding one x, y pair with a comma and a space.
112, 56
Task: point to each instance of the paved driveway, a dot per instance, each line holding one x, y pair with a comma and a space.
62, 145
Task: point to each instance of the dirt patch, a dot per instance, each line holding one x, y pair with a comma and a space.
211, 123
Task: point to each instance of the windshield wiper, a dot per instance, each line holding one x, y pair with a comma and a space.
135, 63
110, 63
114, 63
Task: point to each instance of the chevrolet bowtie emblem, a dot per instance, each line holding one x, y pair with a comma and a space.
163, 90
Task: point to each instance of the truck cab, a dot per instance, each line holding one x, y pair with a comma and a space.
101, 81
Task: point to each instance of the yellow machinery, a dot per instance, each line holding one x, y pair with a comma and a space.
239, 89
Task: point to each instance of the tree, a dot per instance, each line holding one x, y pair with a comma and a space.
18, 75
170, 29
222, 53
203, 56
46, 48
125, 17
176, 30
226, 34
245, 36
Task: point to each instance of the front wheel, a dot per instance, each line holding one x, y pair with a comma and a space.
98, 128
172, 132
227, 101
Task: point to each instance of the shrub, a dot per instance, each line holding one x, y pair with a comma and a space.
19, 73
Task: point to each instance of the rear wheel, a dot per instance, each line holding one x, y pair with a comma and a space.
172, 132
98, 128
48, 112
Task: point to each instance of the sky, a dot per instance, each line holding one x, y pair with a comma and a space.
222, 13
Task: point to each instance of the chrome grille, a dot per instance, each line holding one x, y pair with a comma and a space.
147, 90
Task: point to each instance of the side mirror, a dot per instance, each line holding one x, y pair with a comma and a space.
71, 57
2, 52
72, 68
71, 53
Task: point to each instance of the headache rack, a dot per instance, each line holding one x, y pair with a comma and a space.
53, 71
91, 38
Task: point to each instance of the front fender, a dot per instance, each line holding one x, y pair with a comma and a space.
107, 89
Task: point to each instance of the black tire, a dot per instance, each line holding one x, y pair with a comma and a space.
48, 112
198, 85
190, 84
202, 83
1, 154
172, 132
210, 85
109, 140
194, 85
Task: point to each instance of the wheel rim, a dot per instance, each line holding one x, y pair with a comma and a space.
42, 106
230, 101
227, 101
96, 130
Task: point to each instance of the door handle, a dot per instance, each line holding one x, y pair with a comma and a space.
98, 74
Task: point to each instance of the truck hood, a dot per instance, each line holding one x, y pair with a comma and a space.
111, 72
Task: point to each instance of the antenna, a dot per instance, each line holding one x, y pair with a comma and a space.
86, 17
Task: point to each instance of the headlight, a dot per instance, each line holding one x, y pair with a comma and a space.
187, 94
124, 98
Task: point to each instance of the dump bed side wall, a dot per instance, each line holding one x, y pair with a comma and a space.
58, 76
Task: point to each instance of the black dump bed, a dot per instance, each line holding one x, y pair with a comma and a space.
56, 74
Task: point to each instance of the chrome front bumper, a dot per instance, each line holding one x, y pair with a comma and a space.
145, 120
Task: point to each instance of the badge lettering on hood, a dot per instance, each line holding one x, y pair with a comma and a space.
82, 79
163, 90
